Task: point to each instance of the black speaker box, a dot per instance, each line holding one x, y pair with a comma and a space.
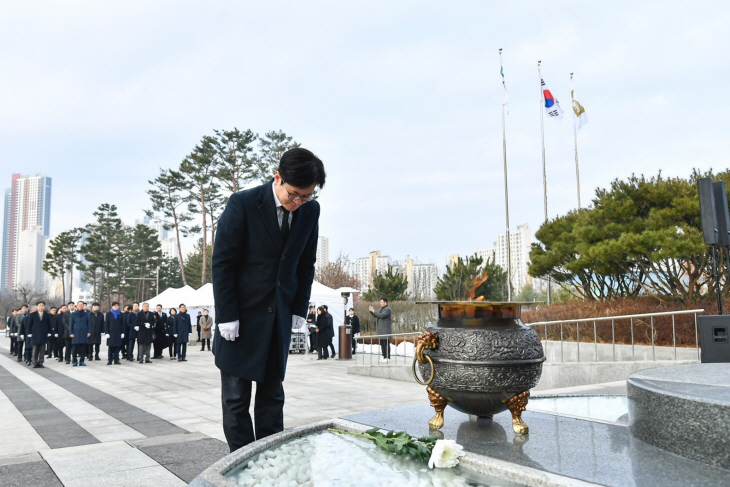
707, 211
719, 191
714, 338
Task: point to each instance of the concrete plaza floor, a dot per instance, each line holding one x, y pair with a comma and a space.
153, 424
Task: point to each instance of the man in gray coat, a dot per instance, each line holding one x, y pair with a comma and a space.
383, 326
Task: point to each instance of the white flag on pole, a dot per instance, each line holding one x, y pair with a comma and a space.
580, 113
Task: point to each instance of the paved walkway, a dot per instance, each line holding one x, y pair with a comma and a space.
153, 424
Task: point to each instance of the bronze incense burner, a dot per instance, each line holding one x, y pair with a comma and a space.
480, 359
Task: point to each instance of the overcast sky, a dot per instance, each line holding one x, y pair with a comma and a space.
401, 100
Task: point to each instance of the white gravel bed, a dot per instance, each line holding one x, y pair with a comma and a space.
327, 459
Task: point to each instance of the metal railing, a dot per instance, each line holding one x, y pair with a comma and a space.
617, 351
402, 348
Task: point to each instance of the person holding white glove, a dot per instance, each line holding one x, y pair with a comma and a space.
132, 329
263, 268
39, 323
145, 323
13, 331
20, 332
181, 329
114, 332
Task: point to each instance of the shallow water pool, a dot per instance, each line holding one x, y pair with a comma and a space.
603, 408
325, 459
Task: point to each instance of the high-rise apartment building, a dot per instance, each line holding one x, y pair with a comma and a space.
422, 278
520, 245
168, 244
366, 267
323, 252
27, 208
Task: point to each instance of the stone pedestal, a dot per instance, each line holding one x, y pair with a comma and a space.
683, 409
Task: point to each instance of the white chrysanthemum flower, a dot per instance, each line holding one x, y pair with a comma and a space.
445, 454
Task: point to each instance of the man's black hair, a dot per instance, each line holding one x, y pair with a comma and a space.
41, 302
71, 302
53, 307
384, 299
115, 302
24, 306
95, 304
301, 169
350, 309
324, 307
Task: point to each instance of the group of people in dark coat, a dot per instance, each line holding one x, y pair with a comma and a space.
324, 332
72, 334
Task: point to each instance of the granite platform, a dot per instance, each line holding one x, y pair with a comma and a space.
593, 451
684, 409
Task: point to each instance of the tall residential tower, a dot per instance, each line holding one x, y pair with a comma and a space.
25, 229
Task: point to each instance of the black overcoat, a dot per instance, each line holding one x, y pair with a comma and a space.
115, 328
169, 325
181, 327
144, 335
39, 328
259, 281
131, 321
96, 326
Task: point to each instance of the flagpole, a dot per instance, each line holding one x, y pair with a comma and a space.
506, 192
544, 177
575, 138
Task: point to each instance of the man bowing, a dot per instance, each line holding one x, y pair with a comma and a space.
263, 268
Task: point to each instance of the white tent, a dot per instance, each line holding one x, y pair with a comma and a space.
197, 300
172, 297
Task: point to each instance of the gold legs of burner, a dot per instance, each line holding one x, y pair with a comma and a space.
438, 402
516, 405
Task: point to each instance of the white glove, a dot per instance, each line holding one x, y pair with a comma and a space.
21, 338
297, 321
167, 334
29, 335
13, 334
56, 335
175, 335
122, 335
147, 325
107, 335
49, 334
229, 330
136, 328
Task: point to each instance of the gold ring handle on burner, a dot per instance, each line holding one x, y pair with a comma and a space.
427, 341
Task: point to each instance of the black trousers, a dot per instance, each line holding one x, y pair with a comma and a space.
79, 350
157, 348
92, 347
268, 407
114, 354
313, 341
385, 347
52, 348
123, 348
19, 349
13, 347
202, 345
67, 354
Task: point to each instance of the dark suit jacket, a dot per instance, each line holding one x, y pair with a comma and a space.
259, 281
114, 327
39, 328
